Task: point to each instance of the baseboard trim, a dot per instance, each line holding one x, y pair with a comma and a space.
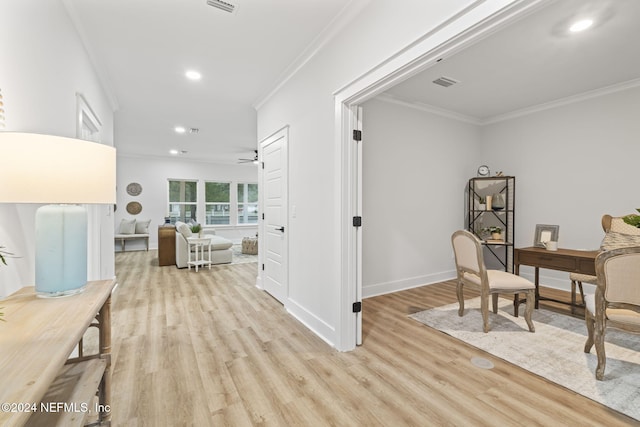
404, 284
318, 326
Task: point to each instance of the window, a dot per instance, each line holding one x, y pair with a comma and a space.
247, 203
183, 199
217, 202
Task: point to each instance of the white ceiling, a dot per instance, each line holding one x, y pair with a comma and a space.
534, 61
142, 49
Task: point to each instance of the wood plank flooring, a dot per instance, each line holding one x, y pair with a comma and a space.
209, 349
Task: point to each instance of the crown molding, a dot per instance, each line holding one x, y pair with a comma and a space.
573, 99
342, 19
595, 93
442, 112
98, 66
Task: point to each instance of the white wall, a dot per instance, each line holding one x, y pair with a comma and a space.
43, 66
306, 104
152, 174
572, 165
415, 170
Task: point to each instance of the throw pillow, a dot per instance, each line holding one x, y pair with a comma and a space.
184, 229
619, 226
614, 240
142, 227
127, 226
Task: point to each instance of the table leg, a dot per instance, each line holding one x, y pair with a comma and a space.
197, 258
537, 282
516, 297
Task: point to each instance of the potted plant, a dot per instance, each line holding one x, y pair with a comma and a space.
196, 229
632, 219
495, 231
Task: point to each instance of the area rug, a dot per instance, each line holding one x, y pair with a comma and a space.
554, 351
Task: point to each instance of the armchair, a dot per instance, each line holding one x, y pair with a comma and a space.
616, 302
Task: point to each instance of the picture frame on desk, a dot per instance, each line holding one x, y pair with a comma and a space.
545, 233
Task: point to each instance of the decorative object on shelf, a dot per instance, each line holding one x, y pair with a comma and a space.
545, 233
499, 173
489, 203
482, 204
134, 189
134, 208
483, 171
496, 232
632, 219
46, 169
497, 202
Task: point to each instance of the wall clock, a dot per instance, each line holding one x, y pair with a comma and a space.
483, 170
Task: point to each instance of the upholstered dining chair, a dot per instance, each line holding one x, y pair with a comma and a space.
616, 302
618, 234
472, 272
577, 279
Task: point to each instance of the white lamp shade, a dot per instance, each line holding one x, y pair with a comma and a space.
38, 168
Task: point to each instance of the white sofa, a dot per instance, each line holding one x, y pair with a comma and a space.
221, 252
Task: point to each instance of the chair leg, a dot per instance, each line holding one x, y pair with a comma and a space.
589, 320
516, 304
528, 310
484, 309
573, 294
494, 298
460, 298
599, 342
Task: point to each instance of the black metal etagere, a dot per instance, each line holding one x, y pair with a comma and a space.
481, 217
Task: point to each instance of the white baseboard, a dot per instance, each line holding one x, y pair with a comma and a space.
319, 327
404, 284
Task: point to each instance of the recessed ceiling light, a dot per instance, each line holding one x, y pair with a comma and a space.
174, 152
180, 129
193, 75
581, 25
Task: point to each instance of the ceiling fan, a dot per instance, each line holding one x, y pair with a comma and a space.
254, 160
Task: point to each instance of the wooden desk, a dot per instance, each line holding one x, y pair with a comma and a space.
570, 260
36, 340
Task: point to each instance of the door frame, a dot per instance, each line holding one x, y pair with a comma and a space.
284, 134
471, 24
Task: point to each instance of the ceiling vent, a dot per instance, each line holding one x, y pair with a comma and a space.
227, 7
445, 81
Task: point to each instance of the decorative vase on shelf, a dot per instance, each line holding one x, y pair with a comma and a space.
497, 202
496, 236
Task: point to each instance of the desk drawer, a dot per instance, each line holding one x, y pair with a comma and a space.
553, 262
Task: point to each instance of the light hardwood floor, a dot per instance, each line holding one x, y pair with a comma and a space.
209, 349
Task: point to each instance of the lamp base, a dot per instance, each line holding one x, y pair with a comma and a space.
61, 250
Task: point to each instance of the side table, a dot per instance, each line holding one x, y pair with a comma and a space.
199, 244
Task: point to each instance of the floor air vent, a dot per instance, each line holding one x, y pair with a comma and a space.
227, 7
445, 81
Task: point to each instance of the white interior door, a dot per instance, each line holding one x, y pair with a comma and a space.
275, 225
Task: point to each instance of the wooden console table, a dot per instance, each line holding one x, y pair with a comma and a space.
570, 260
166, 245
41, 385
